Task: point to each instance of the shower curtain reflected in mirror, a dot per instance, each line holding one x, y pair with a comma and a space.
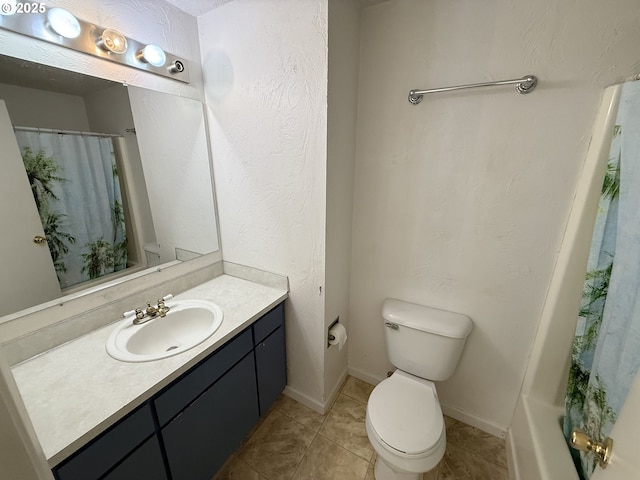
74, 181
606, 348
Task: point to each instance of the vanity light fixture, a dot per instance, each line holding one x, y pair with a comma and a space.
153, 55
62, 28
112, 41
63, 23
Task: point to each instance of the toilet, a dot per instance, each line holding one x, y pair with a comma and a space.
404, 421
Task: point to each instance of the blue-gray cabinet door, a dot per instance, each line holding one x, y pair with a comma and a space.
146, 462
271, 366
199, 440
95, 459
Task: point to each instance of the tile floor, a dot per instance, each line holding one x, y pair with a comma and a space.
295, 443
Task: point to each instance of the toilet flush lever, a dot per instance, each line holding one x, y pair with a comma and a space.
392, 326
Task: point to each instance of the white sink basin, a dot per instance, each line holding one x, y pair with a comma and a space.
187, 324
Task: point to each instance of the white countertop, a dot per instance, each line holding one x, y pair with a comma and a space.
76, 391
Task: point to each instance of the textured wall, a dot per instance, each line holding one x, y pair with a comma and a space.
264, 66
460, 202
344, 50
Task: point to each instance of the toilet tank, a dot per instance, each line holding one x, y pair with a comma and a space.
424, 341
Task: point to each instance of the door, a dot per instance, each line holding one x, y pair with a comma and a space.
625, 457
24, 262
271, 369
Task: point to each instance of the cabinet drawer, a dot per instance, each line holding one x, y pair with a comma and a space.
185, 389
94, 460
268, 323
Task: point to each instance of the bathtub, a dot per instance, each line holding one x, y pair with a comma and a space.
536, 448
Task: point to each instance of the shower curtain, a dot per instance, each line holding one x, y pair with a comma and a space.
74, 181
606, 348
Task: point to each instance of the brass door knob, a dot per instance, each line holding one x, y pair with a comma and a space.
39, 239
581, 441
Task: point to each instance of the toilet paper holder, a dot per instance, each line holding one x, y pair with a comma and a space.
337, 335
330, 337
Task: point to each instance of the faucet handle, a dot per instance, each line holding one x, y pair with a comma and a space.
162, 300
137, 312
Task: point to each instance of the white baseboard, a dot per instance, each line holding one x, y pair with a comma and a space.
469, 419
335, 391
304, 399
364, 376
312, 403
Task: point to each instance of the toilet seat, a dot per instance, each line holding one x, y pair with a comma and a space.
404, 414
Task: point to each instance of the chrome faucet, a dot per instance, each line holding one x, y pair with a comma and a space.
151, 312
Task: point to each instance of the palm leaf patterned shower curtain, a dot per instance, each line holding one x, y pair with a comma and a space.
606, 348
74, 181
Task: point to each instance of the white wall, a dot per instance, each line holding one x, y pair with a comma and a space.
344, 51
264, 66
30, 107
460, 202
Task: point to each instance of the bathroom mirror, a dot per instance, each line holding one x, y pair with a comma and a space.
163, 172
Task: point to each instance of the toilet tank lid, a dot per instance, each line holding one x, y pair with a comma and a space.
427, 319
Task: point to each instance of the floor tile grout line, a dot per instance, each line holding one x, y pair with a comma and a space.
353, 398
304, 455
345, 448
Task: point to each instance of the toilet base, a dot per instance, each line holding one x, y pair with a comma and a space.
383, 471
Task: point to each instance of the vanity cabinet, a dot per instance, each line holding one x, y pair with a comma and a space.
120, 442
188, 429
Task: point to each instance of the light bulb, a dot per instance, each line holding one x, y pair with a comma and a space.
112, 41
153, 55
63, 23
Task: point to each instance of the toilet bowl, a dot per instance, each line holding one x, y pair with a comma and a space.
405, 427
404, 420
